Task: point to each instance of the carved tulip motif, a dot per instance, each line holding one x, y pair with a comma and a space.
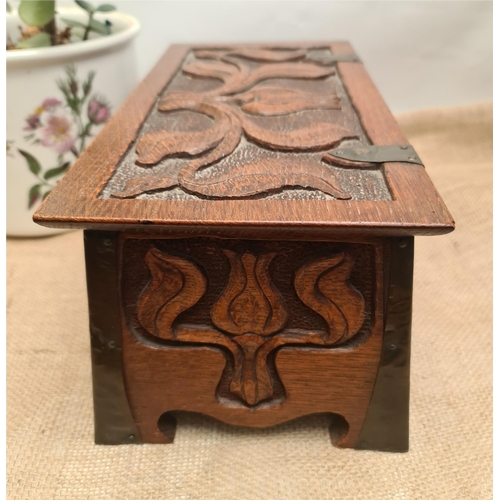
250, 307
250, 303
231, 106
250, 315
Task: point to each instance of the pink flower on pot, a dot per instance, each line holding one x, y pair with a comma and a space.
33, 120
57, 130
98, 111
50, 103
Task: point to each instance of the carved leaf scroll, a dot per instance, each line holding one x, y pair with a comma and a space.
344, 163
154, 146
323, 285
265, 55
147, 184
294, 70
268, 55
176, 285
250, 315
246, 179
238, 77
269, 175
316, 136
230, 107
275, 101
213, 69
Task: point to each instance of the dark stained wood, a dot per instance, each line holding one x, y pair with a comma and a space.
244, 354
114, 423
386, 426
416, 208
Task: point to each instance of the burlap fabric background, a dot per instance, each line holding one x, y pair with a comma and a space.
51, 454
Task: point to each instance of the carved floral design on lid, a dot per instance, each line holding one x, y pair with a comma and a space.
231, 107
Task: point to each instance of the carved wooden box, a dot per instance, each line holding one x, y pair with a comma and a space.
249, 216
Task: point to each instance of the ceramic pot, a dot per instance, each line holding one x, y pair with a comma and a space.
58, 99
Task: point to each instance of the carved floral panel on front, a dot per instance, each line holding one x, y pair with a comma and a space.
250, 315
243, 109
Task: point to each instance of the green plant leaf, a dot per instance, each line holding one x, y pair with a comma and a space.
34, 195
37, 12
38, 40
99, 27
54, 172
85, 5
73, 105
87, 85
70, 70
73, 24
9, 8
63, 88
33, 163
105, 7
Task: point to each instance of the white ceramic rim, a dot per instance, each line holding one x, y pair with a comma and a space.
81, 48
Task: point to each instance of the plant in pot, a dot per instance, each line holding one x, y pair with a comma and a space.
68, 68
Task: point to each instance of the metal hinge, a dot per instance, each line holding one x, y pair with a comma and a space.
378, 154
327, 59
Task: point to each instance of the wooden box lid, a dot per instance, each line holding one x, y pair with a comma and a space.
238, 140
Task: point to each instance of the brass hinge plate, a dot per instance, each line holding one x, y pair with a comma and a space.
327, 59
378, 154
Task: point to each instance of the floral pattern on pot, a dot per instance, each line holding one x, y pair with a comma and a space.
62, 125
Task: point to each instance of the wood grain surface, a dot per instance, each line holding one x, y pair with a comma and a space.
406, 204
252, 333
250, 171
